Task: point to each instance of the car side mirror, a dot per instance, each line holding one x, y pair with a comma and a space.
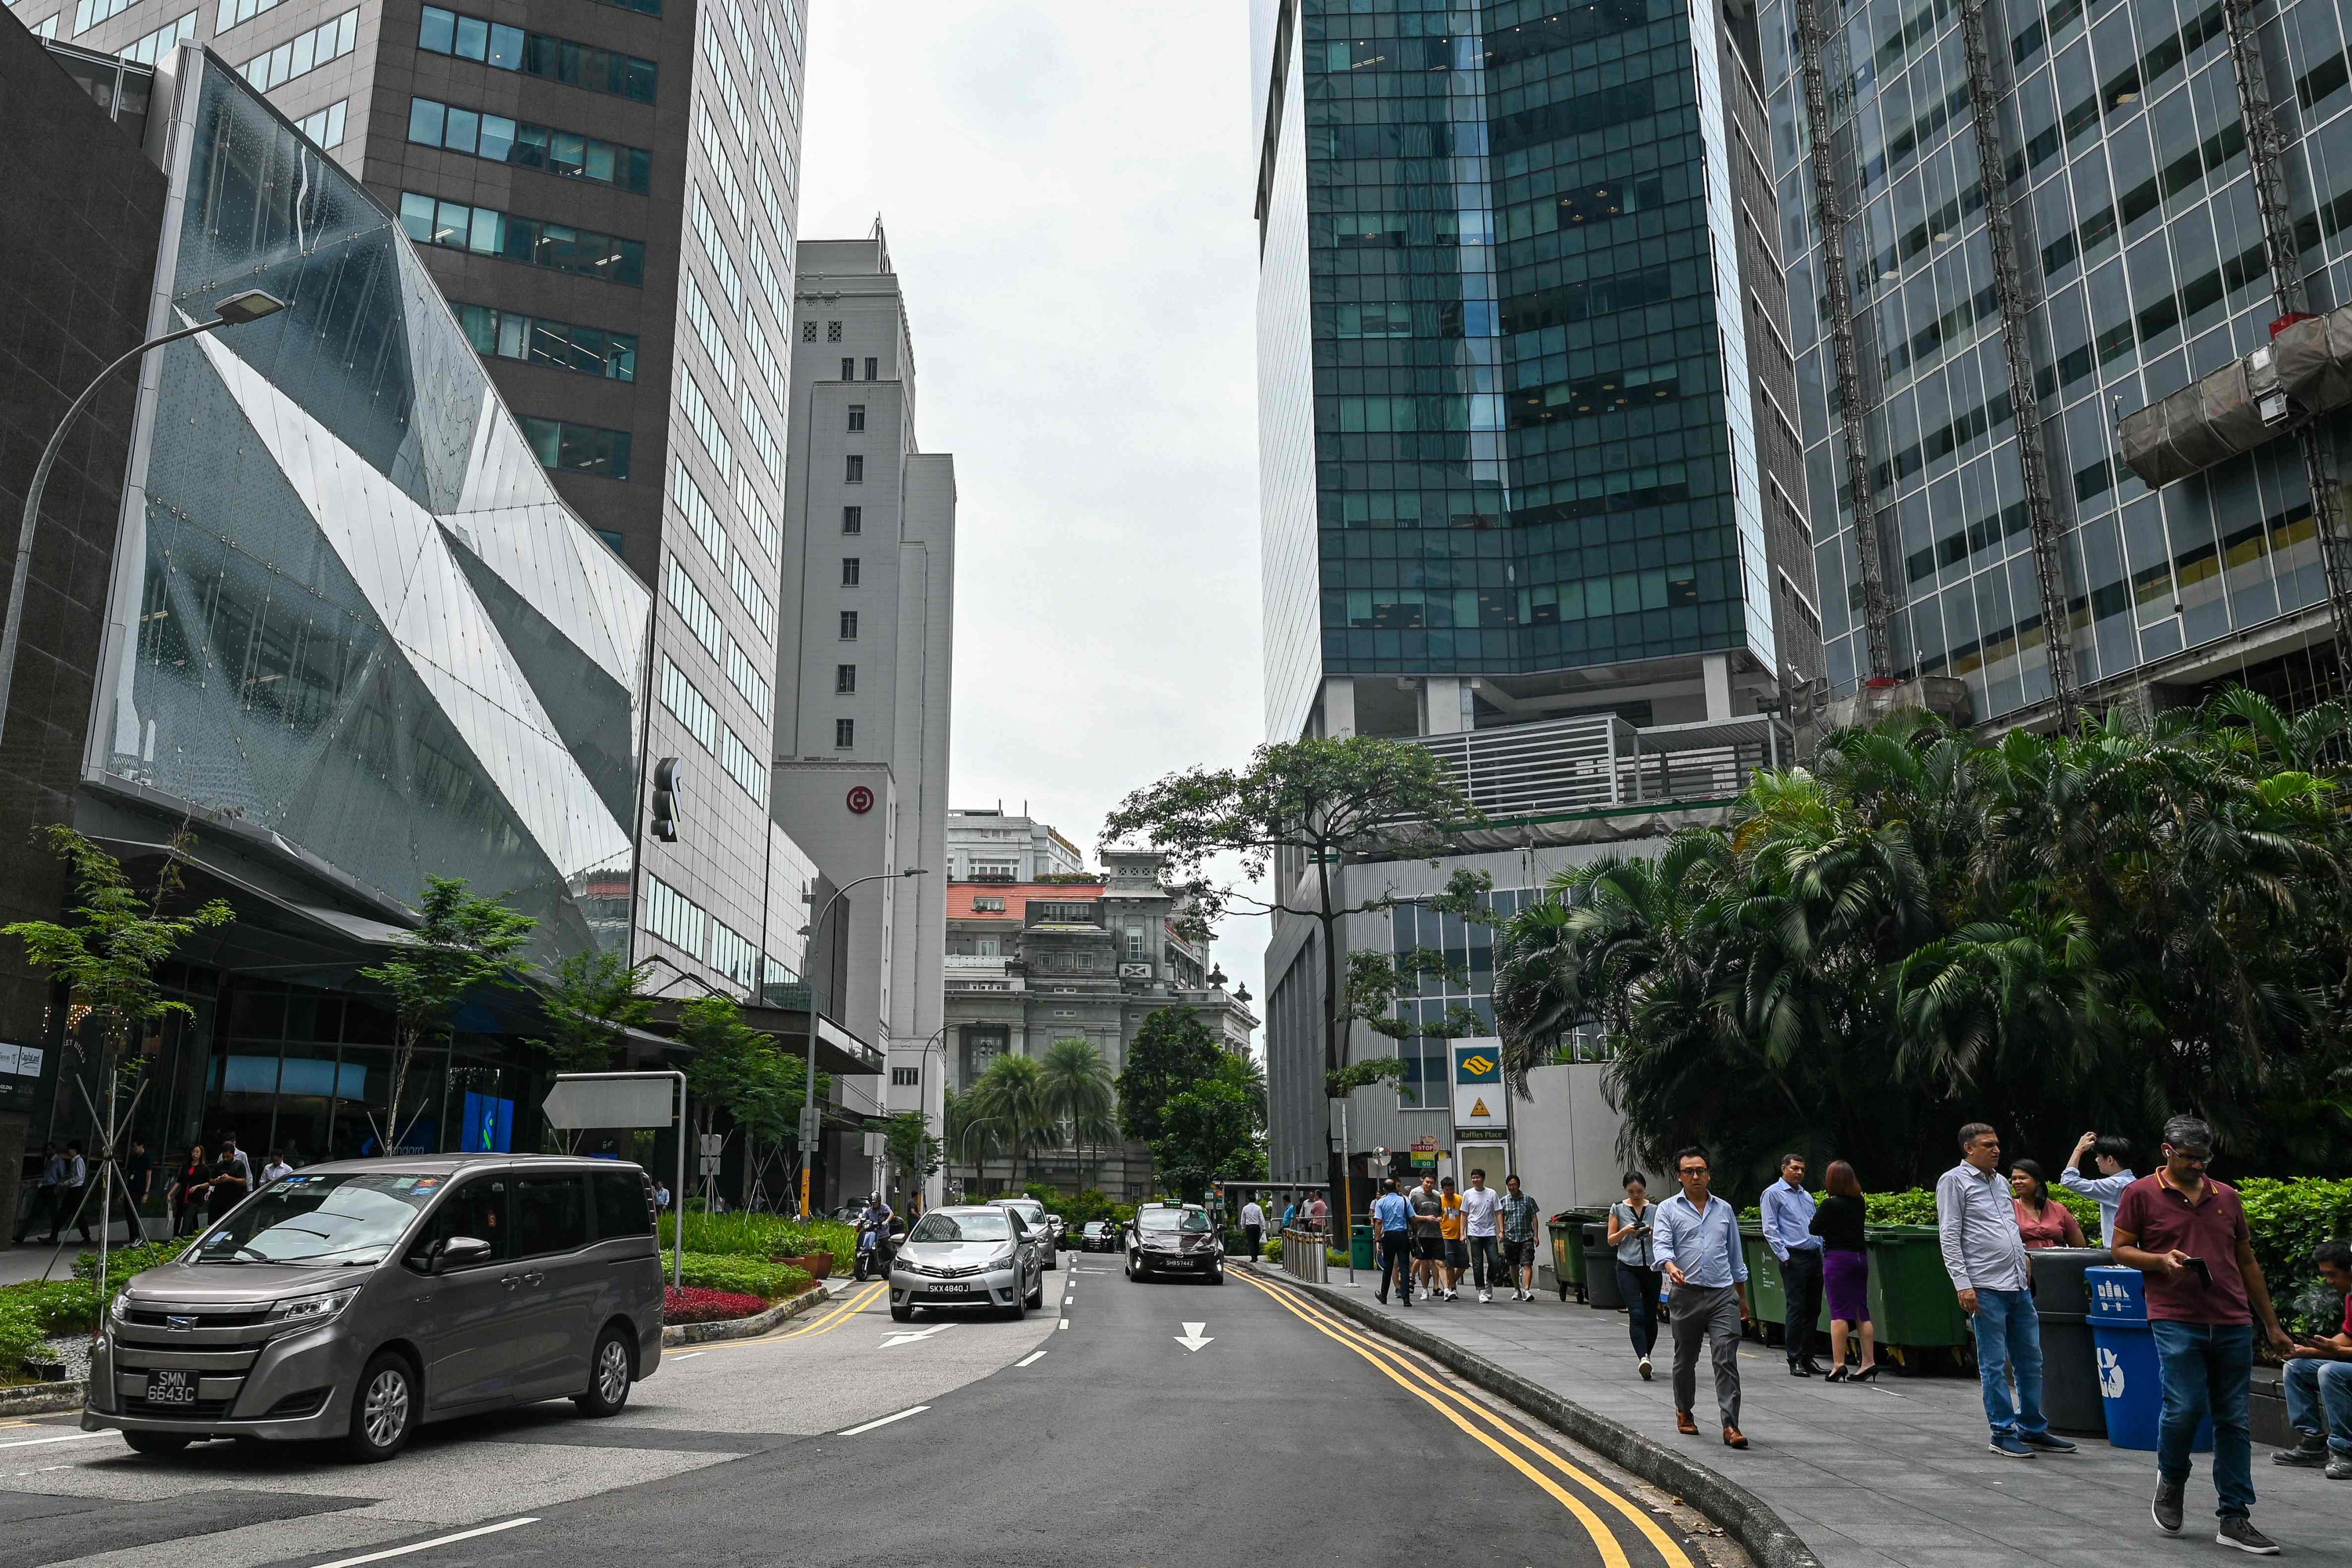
460, 1252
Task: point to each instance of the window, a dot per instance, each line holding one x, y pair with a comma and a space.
704, 421
832, 334
906, 1077
706, 229
172, 33
550, 1214
852, 470
744, 766
763, 440
751, 595
755, 513
772, 369
565, 153
509, 48
477, 1209
849, 571
714, 147
808, 332
848, 366
858, 417
88, 13
232, 11
845, 679
746, 677
691, 606
535, 242
696, 509
849, 626
845, 733
772, 287
988, 906
732, 953
853, 520
870, 363
688, 706
589, 350
624, 1205
705, 332
579, 448
329, 40
325, 129
673, 917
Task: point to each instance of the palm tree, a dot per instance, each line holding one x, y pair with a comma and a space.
1010, 1100
1080, 1094
968, 1140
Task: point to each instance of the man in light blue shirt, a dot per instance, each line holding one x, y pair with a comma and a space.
1984, 1253
1697, 1244
2114, 1155
1789, 1231
1392, 1230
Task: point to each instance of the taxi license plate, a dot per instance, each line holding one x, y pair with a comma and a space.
171, 1388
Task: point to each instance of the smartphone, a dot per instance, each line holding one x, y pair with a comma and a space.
2203, 1271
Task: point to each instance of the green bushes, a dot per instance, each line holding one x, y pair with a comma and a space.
123, 1262
742, 1274
764, 1236
1274, 1250
30, 1313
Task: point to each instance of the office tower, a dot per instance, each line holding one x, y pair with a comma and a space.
864, 662
2164, 192
606, 194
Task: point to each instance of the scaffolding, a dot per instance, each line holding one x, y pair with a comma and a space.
2017, 345
1828, 215
2266, 152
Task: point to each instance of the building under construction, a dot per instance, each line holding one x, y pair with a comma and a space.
2166, 200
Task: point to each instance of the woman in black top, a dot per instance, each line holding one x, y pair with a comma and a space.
1845, 1271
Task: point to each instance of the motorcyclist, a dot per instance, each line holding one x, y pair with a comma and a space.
874, 1232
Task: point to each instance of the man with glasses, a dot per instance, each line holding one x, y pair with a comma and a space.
1984, 1254
1697, 1242
2188, 1234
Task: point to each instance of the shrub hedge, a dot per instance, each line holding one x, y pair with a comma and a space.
764, 1236
743, 1274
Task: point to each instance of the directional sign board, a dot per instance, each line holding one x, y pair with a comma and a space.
1480, 1104
616, 1101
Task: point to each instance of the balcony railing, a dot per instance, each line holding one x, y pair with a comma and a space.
1596, 761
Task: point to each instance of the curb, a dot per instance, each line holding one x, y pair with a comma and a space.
1744, 1517
43, 1398
674, 1334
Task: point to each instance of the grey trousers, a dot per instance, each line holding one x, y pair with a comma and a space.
1709, 1316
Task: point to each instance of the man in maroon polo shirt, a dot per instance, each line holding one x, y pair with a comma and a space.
2187, 1233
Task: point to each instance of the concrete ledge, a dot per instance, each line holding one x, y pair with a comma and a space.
1743, 1516
740, 1328
42, 1398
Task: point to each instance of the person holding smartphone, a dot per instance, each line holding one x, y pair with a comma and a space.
2319, 1379
1637, 1275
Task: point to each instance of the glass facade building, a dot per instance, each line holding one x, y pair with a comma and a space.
2142, 266
1507, 311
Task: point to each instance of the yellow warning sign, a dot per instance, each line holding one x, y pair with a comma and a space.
1478, 1108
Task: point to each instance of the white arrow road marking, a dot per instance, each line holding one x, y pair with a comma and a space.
428, 1545
1191, 1338
909, 1336
854, 1431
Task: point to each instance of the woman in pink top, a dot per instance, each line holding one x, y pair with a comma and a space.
2043, 1219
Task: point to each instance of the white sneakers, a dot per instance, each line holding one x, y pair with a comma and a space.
1643, 1366
1486, 1295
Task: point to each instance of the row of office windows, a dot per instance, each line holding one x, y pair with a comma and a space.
565, 153
578, 448
535, 242
503, 47
329, 40
565, 345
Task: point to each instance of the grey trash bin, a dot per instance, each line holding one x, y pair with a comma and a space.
2070, 1364
1601, 1267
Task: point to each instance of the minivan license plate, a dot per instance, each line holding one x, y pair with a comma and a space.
171, 1388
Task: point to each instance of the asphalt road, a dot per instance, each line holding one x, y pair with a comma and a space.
1093, 1434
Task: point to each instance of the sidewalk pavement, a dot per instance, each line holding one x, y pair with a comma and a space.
1890, 1474
19, 1264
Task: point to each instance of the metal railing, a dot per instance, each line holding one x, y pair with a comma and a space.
1595, 762
1302, 1254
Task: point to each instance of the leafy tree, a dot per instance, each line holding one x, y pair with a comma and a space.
591, 999
911, 1150
734, 1067
1172, 1047
1011, 1099
1081, 1095
462, 944
1212, 1130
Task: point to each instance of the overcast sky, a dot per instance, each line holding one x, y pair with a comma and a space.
1066, 188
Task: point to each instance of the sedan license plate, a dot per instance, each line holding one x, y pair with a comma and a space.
950, 1289
171, 1388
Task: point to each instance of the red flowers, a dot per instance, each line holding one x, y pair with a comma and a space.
695, 1305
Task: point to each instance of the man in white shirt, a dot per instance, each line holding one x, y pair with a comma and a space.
276, 1168
2114, 1155
1252, 1225
1479, 1205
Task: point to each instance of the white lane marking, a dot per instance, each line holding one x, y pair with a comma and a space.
854, 1431
1025, 1360
69, 1437
1063, 1324
909, 1336
429, 1545
689, 1355
1191, 1338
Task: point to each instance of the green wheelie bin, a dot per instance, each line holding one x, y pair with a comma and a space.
1359, 1248
1767, 1298
1912, 1301
1567, 1230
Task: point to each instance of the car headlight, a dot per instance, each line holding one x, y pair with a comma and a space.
911, 1267
303, 1312
1006, 1259
119, 1311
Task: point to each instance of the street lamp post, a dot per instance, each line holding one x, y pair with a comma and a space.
233, 311
808, 1101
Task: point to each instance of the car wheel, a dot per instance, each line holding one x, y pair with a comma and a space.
383, 1409
1217, 1277
1038, 1296
609, 1376
900, 1312
155, 1442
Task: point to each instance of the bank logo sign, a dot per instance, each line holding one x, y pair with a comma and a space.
1480, 1102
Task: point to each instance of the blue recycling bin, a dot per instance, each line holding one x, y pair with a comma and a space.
2129, 1383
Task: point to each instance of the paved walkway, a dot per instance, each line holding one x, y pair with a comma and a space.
1886, 1475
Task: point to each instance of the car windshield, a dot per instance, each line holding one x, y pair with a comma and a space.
937, 1226
325, 1218
1029, 1211
1188, 1220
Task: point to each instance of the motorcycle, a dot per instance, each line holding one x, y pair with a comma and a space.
873, 1254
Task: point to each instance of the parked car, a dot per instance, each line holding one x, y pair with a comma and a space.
1098, 1235
1171, 1240
1034, 1215
360, 1299
980, 1255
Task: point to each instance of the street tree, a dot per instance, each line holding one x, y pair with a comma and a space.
910, 1147
1081, 1095
1011, 1099
1173, 1046
733, 1066
592, 1000
1213, 1128
463, 943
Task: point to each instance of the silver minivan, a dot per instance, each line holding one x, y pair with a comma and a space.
358, 1300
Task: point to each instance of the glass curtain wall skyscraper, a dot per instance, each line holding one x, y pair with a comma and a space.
2125, 174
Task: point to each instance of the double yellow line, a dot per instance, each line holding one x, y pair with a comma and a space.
1508, 1441
825, 1323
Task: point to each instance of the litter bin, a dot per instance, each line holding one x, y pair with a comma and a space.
1911, 1298
2070, 1364
1359, 1248
2128, 1381
1567, 1230
1767, 1298
1601, 1267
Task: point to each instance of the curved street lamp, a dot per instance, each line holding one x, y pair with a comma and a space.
808, 1100
233, 311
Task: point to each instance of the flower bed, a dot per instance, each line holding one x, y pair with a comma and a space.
694, 1304
743, 1276
763, 1235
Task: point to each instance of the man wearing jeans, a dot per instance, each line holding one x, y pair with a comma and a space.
2319, 1380
2188, 1234
1984, 1253
1480, 1203
1787, 1212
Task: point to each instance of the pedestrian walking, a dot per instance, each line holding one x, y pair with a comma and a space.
1788, 1230
1976, 1223
1290, 1214
139, 1183
1695, 1240
1630, 1226
1519, 1219
73, 1187
2042, 1219
274, 1168
2188, 1234
238, 1158
1480, 1206
1845, 1272
229, 1185
2110, 1156
1451, 1233
1319, 1213
1392, 1225
2319, 1379
1428, 1234
44, 1204
187, 1194
1254, 1226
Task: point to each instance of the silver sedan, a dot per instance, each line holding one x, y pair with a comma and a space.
980, 1255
